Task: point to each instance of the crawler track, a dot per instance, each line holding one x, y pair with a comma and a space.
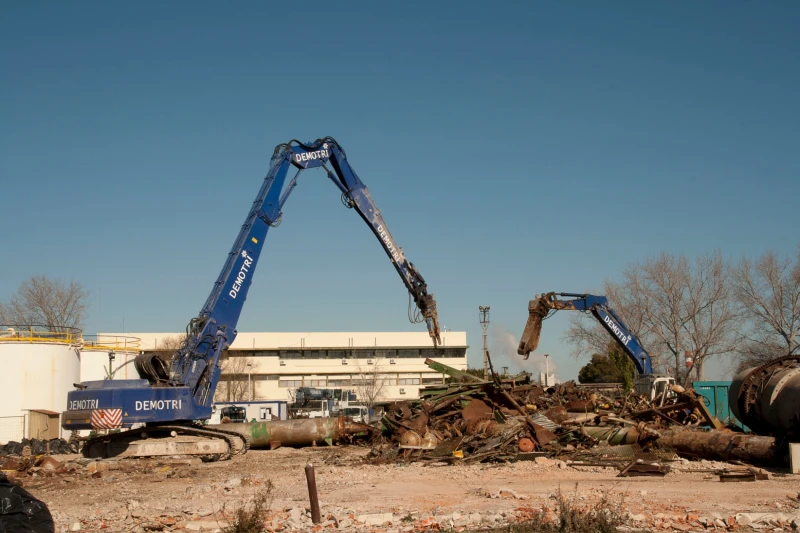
103, 446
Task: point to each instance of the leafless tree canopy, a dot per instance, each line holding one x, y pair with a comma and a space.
171, 343
46, 302
768, 292
370, 384
588, 337
233, 383
672, 305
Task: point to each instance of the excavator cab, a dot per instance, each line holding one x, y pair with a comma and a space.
657, 388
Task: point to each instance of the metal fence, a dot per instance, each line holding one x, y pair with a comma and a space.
12, 428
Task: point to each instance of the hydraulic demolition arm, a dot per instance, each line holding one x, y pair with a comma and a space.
172, 396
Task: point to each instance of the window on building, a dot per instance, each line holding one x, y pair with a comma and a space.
338, 354
385, 354
407, 353
314, 354
364, 354
290, 383
408, 381
316, 382
290, 354
338, 382
426, 381
266, 353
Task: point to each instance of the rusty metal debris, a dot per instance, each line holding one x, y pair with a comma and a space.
747, 475
724, 446
638, 468
474, 420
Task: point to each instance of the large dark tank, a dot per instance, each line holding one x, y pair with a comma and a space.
767, 398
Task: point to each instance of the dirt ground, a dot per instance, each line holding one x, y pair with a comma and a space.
173, 495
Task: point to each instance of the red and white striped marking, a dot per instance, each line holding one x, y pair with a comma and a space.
106, 418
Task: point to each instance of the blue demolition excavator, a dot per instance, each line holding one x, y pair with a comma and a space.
646, 383
172, 398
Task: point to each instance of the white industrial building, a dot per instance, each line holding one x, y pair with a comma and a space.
40, 367
274, 365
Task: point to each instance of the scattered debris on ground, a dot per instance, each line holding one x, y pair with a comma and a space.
269, 487
474, 420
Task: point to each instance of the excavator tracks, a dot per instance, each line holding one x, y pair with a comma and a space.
196, 441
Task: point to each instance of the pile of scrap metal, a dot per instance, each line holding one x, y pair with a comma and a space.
475, 420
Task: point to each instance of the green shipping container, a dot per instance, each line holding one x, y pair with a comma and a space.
716, 395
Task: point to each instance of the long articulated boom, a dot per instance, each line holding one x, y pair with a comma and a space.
539, 308
184, 391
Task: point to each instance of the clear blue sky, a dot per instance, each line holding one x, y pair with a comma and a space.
514, 148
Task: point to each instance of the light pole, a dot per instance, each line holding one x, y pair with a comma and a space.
484, 311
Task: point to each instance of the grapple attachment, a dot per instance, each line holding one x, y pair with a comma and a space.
537, 311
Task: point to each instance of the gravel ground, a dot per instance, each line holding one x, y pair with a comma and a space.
174, 495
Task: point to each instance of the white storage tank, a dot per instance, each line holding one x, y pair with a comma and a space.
39, 366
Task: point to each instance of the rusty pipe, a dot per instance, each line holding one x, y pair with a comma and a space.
720, 445
614, 435
296, 432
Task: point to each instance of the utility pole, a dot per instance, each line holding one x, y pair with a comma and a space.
484, 310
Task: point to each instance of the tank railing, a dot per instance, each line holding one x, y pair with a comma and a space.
37, 333
111, 343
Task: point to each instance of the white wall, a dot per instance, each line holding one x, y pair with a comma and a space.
94, 365
263, 367
316, 339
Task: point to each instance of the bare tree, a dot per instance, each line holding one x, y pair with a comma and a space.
234, 380
768, 293
588, 337
673, 306
712, 319
171, 343
41, 301
370, 384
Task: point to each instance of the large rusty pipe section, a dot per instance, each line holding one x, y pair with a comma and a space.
767, 398
614, 435
724, 446
297, 432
